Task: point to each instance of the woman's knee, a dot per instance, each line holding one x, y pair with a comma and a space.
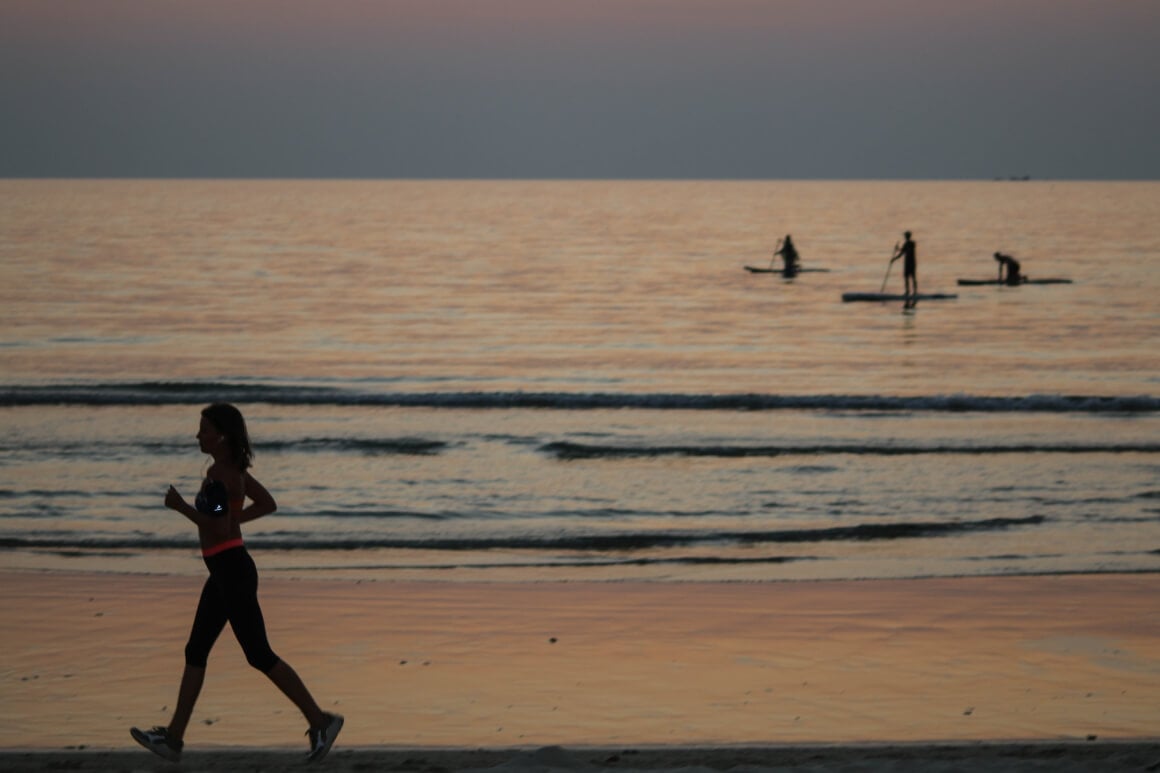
196, 655
263, 661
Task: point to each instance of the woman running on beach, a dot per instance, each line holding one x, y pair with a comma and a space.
231, 590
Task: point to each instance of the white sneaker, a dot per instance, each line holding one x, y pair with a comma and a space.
322, 738
157, 740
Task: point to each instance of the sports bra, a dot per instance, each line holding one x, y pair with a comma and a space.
214, 499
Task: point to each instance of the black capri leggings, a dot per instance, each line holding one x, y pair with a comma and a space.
230, 594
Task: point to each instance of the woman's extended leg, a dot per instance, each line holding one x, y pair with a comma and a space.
208, 623
168, 740
191, 681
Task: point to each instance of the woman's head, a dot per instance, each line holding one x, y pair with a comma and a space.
222, 423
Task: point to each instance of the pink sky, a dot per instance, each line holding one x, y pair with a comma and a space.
925, 85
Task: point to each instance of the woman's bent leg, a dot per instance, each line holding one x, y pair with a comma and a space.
287, 680
245, 615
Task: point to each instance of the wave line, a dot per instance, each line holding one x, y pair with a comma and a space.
192, 393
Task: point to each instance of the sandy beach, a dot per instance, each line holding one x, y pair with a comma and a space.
1030, 672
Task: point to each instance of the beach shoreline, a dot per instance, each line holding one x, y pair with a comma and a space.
1069, 660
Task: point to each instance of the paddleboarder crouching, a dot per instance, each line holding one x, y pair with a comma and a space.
1012, 265
909, 265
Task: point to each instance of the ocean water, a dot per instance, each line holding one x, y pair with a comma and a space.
506, 380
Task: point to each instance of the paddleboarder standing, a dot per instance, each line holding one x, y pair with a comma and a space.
789, 255
909, 265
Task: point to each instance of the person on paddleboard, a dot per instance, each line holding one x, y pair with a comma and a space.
1012, 266
789, 255
907, 251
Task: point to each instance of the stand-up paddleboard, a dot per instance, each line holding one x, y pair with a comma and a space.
1043, 281
848, 297
783, 272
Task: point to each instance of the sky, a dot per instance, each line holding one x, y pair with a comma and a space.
609, 89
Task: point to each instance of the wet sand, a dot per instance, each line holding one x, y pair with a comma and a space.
452, 676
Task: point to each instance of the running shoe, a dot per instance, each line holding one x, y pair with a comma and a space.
322, 738
158, 741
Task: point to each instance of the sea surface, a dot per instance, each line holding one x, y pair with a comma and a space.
550, 380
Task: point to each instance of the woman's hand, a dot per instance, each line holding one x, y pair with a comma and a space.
175, 501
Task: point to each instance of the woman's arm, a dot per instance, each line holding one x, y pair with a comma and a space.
261, 501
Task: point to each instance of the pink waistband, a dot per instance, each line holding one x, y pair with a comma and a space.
221, 547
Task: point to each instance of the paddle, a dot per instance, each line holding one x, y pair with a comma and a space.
773, 258
888, 265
